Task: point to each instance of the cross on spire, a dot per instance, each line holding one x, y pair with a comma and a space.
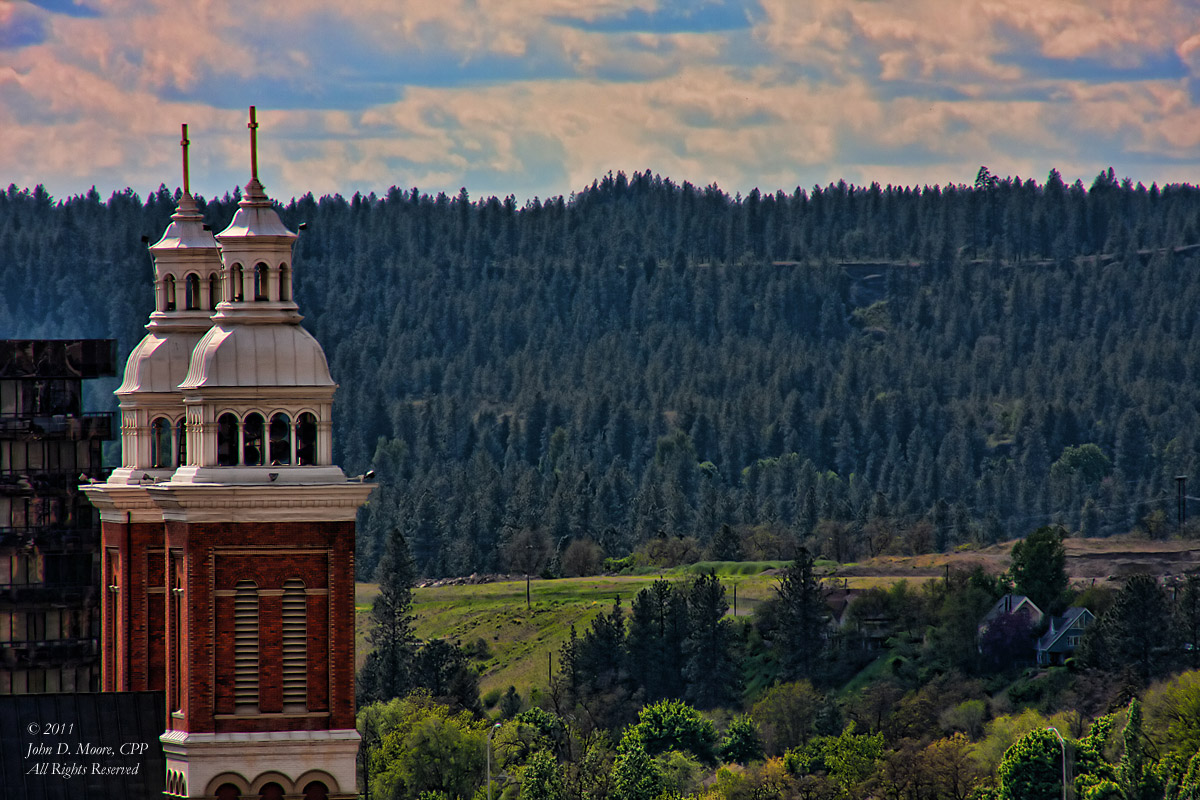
183, 143
253, 126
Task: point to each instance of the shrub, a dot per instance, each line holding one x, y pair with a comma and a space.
674, 725
742, 743
582, 557
670, 551
623, 565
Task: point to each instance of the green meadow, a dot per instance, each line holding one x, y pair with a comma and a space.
523, 642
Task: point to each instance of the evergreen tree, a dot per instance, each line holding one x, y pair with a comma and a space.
1136, 632
553, 342
726, 545
445, 671
657, 630
1187, 618
594, 671
803, 617
387, 671
711, 668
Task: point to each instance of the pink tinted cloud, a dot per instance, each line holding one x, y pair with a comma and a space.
820, 102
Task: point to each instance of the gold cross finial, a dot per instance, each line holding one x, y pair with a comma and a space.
183, 143
253, 126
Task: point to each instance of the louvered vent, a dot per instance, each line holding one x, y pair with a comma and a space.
295, 646
245, 648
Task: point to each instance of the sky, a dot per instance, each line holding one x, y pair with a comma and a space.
538, 98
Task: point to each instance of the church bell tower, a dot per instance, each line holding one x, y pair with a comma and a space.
256, 550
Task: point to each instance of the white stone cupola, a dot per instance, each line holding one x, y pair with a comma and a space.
187, 281
258, 392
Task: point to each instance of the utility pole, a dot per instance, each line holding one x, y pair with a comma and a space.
1181, 500
491, 730
528, 559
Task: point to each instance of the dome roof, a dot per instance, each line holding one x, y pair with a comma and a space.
255, 217
257, 356
186, 231
159, 363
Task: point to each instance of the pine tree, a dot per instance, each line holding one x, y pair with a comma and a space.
387, 671
658, 627
711, 671
802, 617
726, 545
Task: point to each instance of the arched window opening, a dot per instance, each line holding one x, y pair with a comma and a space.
181, 442
192, 294
227, 441
214, 290
160, 443
235, 278
316, 790
281, 440
252, 440
245, 647
227, 791
306, 440
285, 282
295, 646
169, 293
261, 292
272, 791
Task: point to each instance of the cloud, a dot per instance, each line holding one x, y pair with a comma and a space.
542, 96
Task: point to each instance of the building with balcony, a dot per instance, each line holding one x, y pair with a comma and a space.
49, 533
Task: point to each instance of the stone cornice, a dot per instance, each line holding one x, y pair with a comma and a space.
269, 738
262, 503
314, 395
118, 503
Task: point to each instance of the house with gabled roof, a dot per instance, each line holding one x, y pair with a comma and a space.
1065, 633
1011, 604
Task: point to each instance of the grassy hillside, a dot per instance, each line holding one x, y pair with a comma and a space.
522, 641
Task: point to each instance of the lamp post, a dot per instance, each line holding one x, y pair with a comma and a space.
370, 736
489, 758
1063, 746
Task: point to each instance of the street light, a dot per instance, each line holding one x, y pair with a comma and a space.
489, 758
1063, 746
370, 736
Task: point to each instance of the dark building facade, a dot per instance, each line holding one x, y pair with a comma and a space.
49, 533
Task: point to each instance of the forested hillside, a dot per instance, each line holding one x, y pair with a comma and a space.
861, 368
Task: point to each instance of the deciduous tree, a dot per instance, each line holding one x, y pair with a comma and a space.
1039, 567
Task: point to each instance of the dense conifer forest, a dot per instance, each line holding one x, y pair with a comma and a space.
859, 369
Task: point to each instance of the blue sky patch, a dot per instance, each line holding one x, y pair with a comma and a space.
1161, 66
66, 7
23, 30
679, 16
